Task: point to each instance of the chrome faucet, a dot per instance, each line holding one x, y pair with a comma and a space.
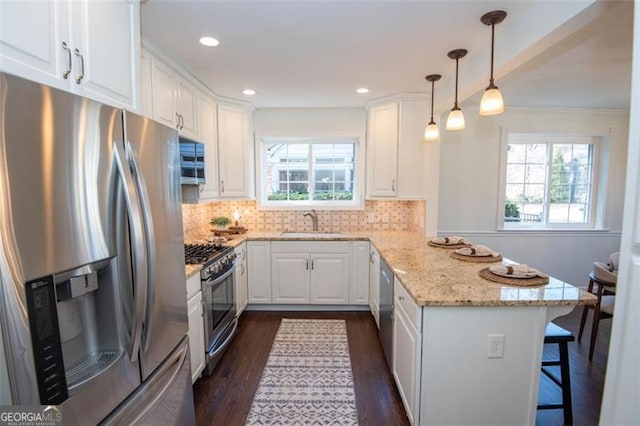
314, 218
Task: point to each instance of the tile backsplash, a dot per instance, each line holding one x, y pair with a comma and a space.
376, 216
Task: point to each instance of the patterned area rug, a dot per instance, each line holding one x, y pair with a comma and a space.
308, 378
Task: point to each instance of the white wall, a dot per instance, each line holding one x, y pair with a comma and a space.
469, 189
306, 121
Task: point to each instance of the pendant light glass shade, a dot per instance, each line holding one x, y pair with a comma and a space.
431, 133
455, 121
492, 102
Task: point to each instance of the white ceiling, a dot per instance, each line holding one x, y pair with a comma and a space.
312, 53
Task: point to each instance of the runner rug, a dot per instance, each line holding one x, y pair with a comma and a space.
308, 378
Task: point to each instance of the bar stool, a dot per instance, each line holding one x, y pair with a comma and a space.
555, 334
601, 310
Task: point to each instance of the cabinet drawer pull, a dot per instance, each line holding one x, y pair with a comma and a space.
66, 72
400, 298
81, 76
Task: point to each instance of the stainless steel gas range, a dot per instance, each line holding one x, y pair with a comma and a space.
218, 297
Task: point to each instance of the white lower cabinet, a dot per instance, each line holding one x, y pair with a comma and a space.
259, 271
290, 277
329, 278
374, 283
310, 272
196, 326
407, 349
359, 288
240, 278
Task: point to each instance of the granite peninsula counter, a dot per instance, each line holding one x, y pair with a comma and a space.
431, 277
442, 365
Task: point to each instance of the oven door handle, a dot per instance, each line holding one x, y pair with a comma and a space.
227, 341
220, 278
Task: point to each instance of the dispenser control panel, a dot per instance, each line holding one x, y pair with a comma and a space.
45, 338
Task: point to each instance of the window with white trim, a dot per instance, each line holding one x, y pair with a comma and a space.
549, 181
308, 171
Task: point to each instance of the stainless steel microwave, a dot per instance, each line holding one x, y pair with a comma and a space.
191, 162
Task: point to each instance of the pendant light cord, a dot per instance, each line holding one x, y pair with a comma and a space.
493, 27
455, 106
432, 84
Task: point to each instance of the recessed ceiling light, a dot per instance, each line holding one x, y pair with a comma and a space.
209, 41
362, 90
249, 92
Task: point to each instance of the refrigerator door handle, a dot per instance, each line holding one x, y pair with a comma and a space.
150, 244
140, 277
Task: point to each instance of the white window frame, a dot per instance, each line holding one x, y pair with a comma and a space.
357, 203
601, 141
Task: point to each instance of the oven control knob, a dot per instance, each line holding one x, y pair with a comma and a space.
224, 261
216, 268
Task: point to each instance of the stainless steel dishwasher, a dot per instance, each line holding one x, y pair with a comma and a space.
386, 312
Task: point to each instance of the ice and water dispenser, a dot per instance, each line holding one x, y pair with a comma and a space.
74, 328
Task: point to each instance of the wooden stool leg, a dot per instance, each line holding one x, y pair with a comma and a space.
583, 320
596, 320
566, 383
585, 309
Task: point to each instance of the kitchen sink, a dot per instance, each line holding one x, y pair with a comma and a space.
311, 234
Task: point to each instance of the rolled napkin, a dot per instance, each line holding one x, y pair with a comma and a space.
516, 271
479, 251
448, 241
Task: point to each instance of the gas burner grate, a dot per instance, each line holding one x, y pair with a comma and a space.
200, 253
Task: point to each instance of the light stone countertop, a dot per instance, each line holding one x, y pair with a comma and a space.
433, 278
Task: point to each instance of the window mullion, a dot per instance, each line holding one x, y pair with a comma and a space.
311, 174
547, 183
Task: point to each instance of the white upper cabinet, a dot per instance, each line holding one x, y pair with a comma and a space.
233, 151
382, 146
395, 149
207, 126
146, 85
64, 44
186, 108
174, 99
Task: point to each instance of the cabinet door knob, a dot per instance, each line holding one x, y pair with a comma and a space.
81, 76
66, 72
221, 186
393, 185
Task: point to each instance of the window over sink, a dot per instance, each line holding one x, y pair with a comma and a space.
550, 181
303, 172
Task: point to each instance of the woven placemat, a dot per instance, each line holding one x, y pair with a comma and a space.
519, 282
447, 246
476, 259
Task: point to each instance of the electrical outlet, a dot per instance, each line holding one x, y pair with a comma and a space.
495, 346
371, 217
385, 217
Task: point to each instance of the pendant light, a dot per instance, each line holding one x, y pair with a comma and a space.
432, 133
455, 121
492, 102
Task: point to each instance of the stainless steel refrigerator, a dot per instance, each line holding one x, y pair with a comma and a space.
92, 286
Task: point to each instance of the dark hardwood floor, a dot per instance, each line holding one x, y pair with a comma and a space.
587, 377
225, 397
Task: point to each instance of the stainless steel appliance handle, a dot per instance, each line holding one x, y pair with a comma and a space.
140, 277
66, 72
227, 341
149, 248
81, 76
220, 278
